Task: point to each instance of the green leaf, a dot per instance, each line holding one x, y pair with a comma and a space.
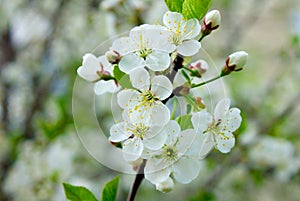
122, 78
78, 193
109, 192
175, 5
185, 121
195, 8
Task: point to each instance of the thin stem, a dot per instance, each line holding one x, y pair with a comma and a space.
206, 82
137, 181
174, 109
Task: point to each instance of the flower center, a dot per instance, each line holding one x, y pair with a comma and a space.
139, 130
144, 52
170, 153
176, 38
216, 130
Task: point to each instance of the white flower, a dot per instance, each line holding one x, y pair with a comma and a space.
137, 135
147, 45
144, 102
216, 131
184, 32
95, 69
176, 157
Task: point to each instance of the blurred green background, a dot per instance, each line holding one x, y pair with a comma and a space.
42, 44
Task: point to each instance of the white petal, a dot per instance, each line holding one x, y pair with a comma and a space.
205, 144
158, 60
185, 140
189, 47
160, 115
191, 29
156, 171
119, 133
186, 169
179, 79
233, 120
125, 96
89, 68
103, 86
226, 142
172, 129
171, 20
123, 45
201, 121
131, 61
140, 78
132, 149
161, 86
157, 141
221, 109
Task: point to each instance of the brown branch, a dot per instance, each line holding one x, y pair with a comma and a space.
137, 182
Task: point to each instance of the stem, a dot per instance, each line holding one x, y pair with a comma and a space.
174, 109
137, 181
206, 82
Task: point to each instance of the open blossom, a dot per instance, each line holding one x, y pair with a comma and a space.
216, 131
184, 33
176, 157
144, 102
147, 45
97, 69
137, 135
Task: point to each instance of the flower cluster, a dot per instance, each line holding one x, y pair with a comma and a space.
150, 67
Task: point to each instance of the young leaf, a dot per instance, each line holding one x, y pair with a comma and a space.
78, 193
175, 5
185, 121
195, 8
122, 78
109, 192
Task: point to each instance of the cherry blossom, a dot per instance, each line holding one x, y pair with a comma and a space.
176, 157
147, 45
184, 33
144, 102
216, 131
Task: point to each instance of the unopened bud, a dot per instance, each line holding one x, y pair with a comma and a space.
200, 103
113, 57
198, 68
212, 19
165, 186
235, 62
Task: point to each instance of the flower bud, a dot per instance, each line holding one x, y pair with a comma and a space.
211, 21
113, 57
198, 68
235, 62
200, 103
165, 186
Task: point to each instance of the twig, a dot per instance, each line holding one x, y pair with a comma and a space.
137, 181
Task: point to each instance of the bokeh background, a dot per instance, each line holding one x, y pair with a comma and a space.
42, 44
